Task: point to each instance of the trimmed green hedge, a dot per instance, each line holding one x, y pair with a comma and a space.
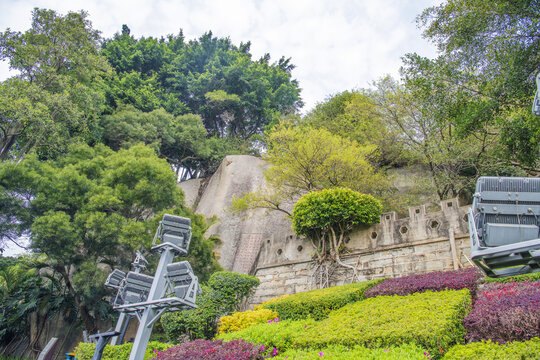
522, 350
339, 352
532, 277
85, 351
433, 320
281, 335
317, 304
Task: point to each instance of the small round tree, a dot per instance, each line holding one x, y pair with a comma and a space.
327, 216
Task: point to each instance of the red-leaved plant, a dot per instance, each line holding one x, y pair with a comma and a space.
212, 350
505, 312
434, 281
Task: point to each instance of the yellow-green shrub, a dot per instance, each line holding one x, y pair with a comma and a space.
317, 304
242, 320
280, 335
85, 351
273, 300
523, 350
432, 320
340, 352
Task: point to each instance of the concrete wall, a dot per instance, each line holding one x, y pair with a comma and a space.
396, 247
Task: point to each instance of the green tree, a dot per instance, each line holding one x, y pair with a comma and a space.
355, 115
489, 58
235, 95
304, 159
94, 207
328, 216
58, 92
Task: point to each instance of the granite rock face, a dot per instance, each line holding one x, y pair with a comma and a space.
241, 236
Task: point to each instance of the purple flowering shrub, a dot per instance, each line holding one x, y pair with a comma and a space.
434, 281
505, 312
212, 350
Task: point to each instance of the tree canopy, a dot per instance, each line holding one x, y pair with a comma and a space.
57, 95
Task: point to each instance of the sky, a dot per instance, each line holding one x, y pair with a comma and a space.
336, 45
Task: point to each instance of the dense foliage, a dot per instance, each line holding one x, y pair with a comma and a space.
505, 312
281, 335
318, 304
23, 292
434, 281
517, 278
432, 320
58, 94
244, 319
212, 350
487, 350
85, 351
225, 292
340, 352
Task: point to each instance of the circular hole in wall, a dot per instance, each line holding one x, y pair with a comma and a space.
374, 235
403, 229
268, 241
417, 211
290, 237
466, 217
279, 252
300, 248
434, 224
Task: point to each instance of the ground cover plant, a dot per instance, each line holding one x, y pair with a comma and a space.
85, 351
505, 312
432, 320
487, 350
531, 277
340, 352
277, 334
244, 319
212, 350
434, 281
317, 304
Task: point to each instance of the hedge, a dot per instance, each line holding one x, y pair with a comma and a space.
85, 351
339, 352
242, 320
517, 278
522, 350
317, 304
212, 350
280, 335
505, 312
434, 281
432, 320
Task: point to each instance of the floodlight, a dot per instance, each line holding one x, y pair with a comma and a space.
114, 280
184, 282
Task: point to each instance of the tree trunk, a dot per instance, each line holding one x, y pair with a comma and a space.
87, 319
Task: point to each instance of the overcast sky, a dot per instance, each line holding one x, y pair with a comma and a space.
336, 45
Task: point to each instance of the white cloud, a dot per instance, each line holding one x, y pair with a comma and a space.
336, 46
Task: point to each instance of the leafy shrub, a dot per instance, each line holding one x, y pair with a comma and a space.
85, 351
505, 312
432, 320
279, 298
212, 350
531, 277
523, 350
434, 281
280, 335
317, 304
242, 320
339, 352
224, 294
